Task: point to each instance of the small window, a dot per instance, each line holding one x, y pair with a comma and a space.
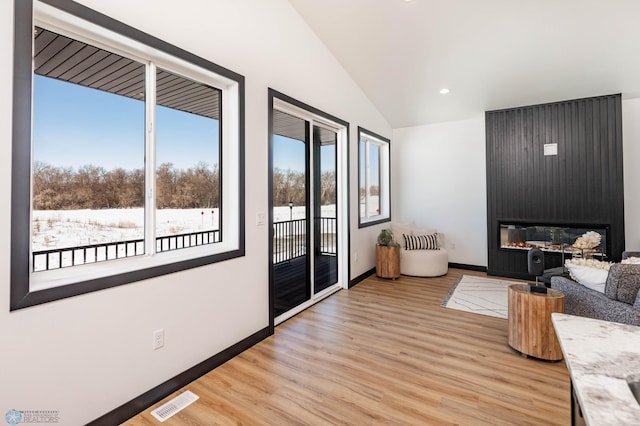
373, 178
131, 151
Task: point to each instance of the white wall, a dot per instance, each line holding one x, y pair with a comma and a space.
87, 355
631, 151
439, 181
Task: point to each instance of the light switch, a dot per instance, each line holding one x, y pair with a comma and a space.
260, 219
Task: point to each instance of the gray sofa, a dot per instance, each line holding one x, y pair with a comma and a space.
619, 303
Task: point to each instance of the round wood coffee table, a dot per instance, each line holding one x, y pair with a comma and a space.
530, 329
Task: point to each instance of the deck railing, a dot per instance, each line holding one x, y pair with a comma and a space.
289, 242
290, 238
45, 260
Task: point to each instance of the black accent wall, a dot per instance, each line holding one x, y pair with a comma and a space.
581, 185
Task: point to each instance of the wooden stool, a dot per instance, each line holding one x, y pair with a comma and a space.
388, 261
530, 329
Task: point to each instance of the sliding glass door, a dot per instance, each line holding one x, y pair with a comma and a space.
305, 202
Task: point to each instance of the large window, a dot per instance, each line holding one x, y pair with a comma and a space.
127, 156
373, 178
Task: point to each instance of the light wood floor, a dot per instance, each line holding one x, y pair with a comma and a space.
384, 352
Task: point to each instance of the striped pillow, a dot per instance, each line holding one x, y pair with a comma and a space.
421, 242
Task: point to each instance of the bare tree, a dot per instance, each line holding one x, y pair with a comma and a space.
290, 185
93, 187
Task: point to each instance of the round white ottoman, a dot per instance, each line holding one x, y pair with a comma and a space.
424, 263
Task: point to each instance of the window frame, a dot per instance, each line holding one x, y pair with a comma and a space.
62, 284
384, 177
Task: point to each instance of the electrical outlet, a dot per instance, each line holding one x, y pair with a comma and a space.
158, 339
453, 246
355, 257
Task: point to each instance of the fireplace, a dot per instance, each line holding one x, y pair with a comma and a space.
550, 238
581, 187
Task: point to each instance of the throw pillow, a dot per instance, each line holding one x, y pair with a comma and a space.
421, 242
588, 272
631, 261
428, 232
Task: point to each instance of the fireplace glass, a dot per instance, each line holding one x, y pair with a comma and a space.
549, 238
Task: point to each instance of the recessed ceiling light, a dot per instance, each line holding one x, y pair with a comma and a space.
444, 91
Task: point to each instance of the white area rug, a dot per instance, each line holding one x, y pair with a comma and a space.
480, 295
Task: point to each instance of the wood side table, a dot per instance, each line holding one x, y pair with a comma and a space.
530, 329
388, 261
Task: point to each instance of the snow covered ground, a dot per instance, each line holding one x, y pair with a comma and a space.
72, 228
54, 229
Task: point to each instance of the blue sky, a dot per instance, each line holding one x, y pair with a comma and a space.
76, 126
289, 154
374, 163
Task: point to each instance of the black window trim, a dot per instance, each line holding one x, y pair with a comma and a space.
21, 295
385, 219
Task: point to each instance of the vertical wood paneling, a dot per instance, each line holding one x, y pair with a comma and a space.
582, 185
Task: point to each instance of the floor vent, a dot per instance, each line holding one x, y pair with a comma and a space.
178, 403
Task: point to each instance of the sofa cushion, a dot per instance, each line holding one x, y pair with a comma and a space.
582, 301
623, 283
421, 242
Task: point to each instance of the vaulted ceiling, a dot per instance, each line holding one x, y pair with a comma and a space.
490, 54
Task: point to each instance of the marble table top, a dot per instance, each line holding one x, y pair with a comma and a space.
601, 356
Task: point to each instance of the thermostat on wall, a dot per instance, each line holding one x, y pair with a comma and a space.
550, 149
